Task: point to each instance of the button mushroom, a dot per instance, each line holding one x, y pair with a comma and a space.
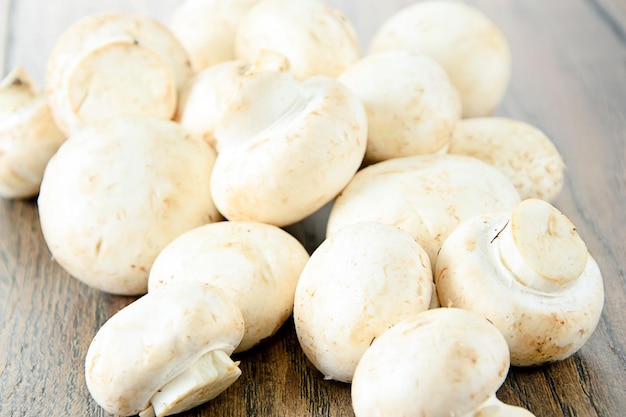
28, 136
426, 195
257, 265
165, 353
205, 97
316, 38
358, 282
285, 147
207, 29
116, 193
529, 272
438, 363
114, 64
412, 106
521, 151
469, 46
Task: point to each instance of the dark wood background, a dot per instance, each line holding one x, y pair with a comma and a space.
569, 79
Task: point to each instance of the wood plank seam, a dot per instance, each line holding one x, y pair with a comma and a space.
614, 24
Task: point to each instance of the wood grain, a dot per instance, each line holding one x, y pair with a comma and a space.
569, 79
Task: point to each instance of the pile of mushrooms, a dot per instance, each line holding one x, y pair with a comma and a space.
192, 147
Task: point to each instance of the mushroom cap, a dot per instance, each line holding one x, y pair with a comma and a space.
412, 106
257, 265
205, 97
439, 363
521, 151
470, 47
283, 157
530, 274
154, 339
316, 38
358, 283
112, 64
28, 136
207, 29
116, 193
426, 195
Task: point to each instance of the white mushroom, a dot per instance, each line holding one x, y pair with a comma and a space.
207, 29
357, 284
412, 106
316, 38
530, 274
426, 195
257, 265
470, 47
204, 99
106, 65
165, 353
438, 363
28, 136
285, 148
521, 151
116, 193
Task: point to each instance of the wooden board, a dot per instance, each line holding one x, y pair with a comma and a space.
569, 79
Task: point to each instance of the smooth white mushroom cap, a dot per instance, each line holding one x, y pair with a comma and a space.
530, 274
204, 99
426, 195
257, 265
116, 193
285, 147
154, 339
471, 48
28, 136
412, 107
207, 29
358, 283
521, 151
439, 363
316, 38
109, 64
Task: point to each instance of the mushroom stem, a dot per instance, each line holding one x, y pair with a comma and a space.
541, 248
515, 262
496, 408
284, 100
204, 380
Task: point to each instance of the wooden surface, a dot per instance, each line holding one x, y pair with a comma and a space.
569, 80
